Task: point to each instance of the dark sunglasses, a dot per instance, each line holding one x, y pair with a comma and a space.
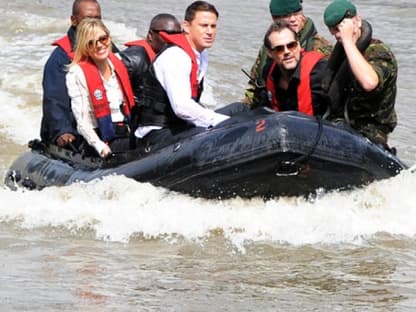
169, 32
104, 40
281, 48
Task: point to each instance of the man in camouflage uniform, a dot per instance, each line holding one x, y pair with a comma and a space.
361, 75
291, 12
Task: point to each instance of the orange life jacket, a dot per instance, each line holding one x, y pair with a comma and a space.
65, 44
304, 94
143, 43
98, 94
181, 41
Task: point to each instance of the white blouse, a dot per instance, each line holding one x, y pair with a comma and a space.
82, 106
173, 68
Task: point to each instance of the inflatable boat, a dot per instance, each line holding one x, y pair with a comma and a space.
256, 153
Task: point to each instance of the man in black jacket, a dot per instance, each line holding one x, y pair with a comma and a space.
141, 53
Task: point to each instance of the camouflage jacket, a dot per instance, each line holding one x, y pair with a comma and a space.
309, 40
372, 113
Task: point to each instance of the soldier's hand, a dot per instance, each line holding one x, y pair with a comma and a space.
347, 30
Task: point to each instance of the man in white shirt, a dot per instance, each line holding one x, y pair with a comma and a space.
173, 85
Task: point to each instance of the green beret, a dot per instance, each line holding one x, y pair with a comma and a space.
284, 7
337, 10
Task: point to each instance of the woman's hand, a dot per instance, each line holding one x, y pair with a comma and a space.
105, 151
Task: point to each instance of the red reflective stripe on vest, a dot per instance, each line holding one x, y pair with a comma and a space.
65, 44
143, 43
97, 91
304, 94
181, 41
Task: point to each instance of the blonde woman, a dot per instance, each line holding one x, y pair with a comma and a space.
100, 90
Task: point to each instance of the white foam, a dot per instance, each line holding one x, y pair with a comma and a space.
118, 209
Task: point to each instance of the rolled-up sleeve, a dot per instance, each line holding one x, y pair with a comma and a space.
173, 69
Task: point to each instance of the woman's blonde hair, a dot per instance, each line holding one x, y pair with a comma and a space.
87, 30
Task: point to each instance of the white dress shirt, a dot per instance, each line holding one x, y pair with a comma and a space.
82, 106
173, 70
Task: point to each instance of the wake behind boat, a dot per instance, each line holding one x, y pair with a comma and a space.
255, 153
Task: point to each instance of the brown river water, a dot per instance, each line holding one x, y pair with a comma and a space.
119, 245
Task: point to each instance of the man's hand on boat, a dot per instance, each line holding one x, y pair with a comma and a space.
65, 139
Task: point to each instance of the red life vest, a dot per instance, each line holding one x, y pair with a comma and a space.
307, 63
65, 44
143, 43
181, 41
98, 94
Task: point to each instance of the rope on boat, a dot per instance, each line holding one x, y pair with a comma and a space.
293, 167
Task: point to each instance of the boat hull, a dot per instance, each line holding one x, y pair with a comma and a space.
253, 154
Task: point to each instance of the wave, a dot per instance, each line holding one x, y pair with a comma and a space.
119, 209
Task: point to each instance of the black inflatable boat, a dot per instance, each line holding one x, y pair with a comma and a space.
257, 153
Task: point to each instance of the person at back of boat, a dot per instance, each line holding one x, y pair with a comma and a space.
139, 54
173, 85
100, 90
294, 79
58, 125
290, 11
361, 75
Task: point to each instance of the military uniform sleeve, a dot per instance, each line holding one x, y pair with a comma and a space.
257, 83
322, 45
381, 58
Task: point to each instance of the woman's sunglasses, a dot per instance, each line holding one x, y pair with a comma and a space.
281, 48
104, 40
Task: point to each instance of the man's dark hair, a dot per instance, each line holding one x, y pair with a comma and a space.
75, 6
199, 6
278, 27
